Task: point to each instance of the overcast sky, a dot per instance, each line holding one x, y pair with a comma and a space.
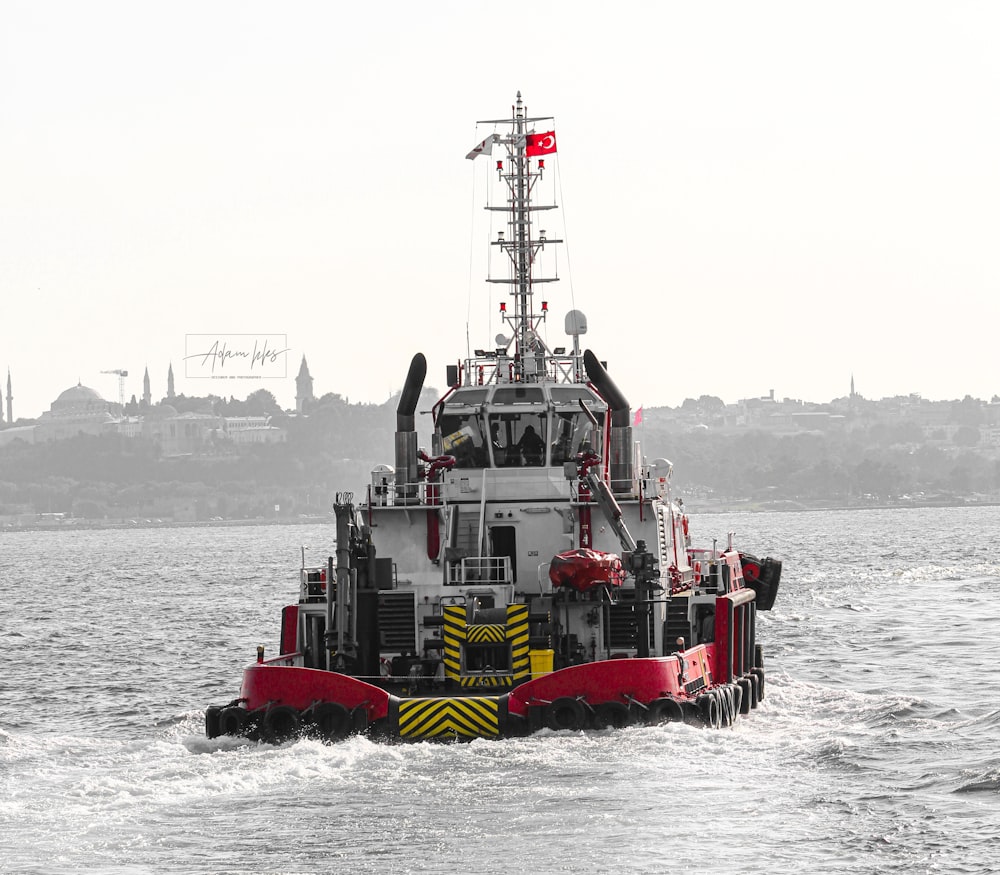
756, 196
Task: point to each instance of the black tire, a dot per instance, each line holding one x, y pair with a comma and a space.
566, 713
692, 713
359, 720
332, 721
727, 705
212, 721
612, 715
747, 700
279, 724
710, 710
233, 720
665, 710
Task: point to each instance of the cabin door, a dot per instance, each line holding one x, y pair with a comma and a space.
503, 542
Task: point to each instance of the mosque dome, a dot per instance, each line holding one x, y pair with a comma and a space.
79, 394
79, 400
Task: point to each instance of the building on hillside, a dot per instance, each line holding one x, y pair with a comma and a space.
77, 410
243, 430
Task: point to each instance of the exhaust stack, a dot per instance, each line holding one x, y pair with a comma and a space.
406, 434
620, 433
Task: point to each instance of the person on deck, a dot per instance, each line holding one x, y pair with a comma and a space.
532, 447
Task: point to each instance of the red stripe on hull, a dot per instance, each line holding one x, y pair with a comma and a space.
615, 680
301, 687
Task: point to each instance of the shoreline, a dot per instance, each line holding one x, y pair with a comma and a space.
691, 507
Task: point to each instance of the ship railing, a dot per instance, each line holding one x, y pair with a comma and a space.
285, 659
395, 493
486, 368
479, 570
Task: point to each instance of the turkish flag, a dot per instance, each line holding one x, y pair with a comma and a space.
540, 144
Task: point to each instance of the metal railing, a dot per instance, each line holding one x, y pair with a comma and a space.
479, 570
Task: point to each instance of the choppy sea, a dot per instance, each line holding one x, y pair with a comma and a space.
877, 748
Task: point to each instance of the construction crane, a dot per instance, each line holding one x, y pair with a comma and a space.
122, 374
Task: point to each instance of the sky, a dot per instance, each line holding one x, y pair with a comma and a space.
754, 196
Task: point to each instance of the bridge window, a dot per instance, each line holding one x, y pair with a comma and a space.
518, 439
462, 437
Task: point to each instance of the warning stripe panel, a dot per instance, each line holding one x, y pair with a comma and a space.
517, 634
487, 680
468, 717
487, 633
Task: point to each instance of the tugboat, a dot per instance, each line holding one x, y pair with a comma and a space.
532, 571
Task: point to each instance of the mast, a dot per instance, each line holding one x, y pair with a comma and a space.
521, 243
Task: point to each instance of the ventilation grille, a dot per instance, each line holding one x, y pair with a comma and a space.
622, 625
397, 621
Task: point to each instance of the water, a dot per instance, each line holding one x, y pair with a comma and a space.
876, 749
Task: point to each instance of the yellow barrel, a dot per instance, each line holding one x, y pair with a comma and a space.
541, 662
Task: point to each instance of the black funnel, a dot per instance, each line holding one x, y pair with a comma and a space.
405, 420
620, 412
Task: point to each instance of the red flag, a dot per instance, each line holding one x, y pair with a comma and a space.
540, 144
637, 420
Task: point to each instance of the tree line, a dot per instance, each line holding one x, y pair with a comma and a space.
338, 443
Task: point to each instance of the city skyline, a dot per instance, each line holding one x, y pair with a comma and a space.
287, 399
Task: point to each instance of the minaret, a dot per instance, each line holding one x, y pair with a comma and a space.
852, 385
303, 388
10, 401
146, 398
170, 380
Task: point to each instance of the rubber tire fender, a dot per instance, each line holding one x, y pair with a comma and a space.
710, 710
727, 703
738, 693
359, 720
612, 715
758, 675
665, 710
233, 720
748, 700
280, 723
212, 713
333, 721
566, 713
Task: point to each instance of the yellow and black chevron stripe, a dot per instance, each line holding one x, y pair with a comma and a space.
460, 717
454, 638
487, 633
457, 633
517, 635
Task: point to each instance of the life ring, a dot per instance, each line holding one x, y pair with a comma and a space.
232, 720
566, 713
612, 715
708, 708
332, 721
665, 710
751, 568
279, 724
